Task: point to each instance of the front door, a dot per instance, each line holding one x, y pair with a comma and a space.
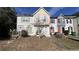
29, 29
38, 30
59, 29
63, 30
52, 29
70, 29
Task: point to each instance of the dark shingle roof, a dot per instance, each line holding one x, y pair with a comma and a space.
69, 17
25, 15
28, 11
76, 14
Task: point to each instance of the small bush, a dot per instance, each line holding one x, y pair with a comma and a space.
24, 33
55, 33
66, 32
73, 33
58, 35
14, 32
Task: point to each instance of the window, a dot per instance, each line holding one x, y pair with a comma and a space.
52, 20
20, 27
37, 19
67, 20
44, 19
25, 19
70, 21
58, 20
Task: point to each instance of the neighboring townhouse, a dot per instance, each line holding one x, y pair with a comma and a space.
62, 24
76, 23
69, 25
66, 23
36, 23
53, 25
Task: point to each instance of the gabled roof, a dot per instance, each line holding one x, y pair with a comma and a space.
40, 9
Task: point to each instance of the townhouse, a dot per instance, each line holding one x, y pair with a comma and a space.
41, 22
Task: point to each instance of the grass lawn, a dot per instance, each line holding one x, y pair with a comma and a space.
37, 44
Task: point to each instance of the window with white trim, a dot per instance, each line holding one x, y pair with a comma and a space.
25, 19
70, 20
67, 21
52, 20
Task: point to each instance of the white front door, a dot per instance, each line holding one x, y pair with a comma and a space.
29, 29
46, 31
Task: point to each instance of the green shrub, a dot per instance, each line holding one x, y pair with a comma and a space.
66, 32
58, 35
73, 33
24, 33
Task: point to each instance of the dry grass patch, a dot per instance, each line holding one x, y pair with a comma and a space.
39, 44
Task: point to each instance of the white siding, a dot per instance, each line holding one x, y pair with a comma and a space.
54, 25
30, 22
22, 25
69, 25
